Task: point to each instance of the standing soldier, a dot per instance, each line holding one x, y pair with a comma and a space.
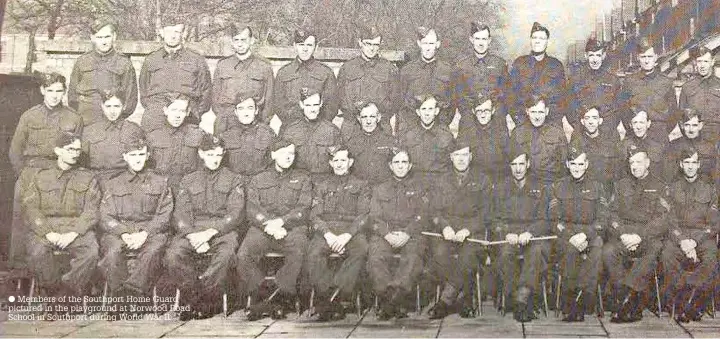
703, 93
538, 73
278, 204
579, 207
209, 211
304, 71
173, 68
368, 78
397, 217
426, 75
311, 134
247, 139
242, 72
594, 84
647, 90
339, 214
639, 136
370, 146
692, 127
135, 214
100, 70
174, 144
60, 207
638, 223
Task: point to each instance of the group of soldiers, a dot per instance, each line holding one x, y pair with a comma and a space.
621, 174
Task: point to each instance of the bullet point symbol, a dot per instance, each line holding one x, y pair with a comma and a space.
11, 299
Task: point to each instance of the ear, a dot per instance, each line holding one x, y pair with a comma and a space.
351, 161
252, 41
42, 90
359, 41
57, 151
201, 153
700, 125
600, 121
418, 43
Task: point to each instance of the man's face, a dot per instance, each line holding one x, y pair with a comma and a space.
311, 106
176, 112
341, 162
595, 58
519, 167
704, 64
648, 59
112, 108
370, 47
429, 45
481, 41
640, 124
639, 164
173, 35
69, 153
284, 157
242, 42
591, 121
103, 39
136, 159
212, 157
578, 166
246, 111
53, 94
690, 166
461, 159
400, 165
369, 118
538, 114
484, 112
539, 42
428, 111
306, 48
692, 127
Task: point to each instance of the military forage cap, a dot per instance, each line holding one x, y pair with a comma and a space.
66, 138
422, 32
133, 145
210, 142
699, 51
244, 95
632, 149
477, 26
369, 32
574, 152
332, 150
537, 27
101, 23
306, 92
643, 45
280, 143
303, 34
593, 45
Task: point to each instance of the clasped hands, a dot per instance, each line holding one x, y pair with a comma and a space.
200, 241
337, 242
61, 240
274, 227
521, 239
450, 235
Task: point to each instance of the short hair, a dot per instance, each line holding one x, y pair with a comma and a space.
242, 96
66, 138
174, 96
687, 151
368, 32
699, 51
172, 20
134, 145
234, 30
48, 79
303, 34
358, 106
537, 27
332, 150
307, 92
477, 26
100, 24
420, 99
584, 108
395, 150
422, 31
593, 45
689, 113
643, 45
633, 149
210, 142
481, 98
280, 143
534, 99
110, 93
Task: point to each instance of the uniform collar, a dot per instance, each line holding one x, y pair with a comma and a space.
240, 63
174, 53
133, 176
59, 172
117, 124
107, 55
304, 64
649, 76
51, 111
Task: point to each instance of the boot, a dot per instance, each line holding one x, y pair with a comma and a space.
330, 310
629, 309
572, 310
523, 308
440, 310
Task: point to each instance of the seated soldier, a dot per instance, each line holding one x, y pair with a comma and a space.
546, 141
278, 203
397, 216
311, 135
370, 144
579, 207
60, 206
692, 126
341, 203
247, 138
134, 217
209, 210
639, 137
520, 212
173, 145
637, 227
462, 202
105, 138
689, 256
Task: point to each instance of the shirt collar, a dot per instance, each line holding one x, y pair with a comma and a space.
173, 53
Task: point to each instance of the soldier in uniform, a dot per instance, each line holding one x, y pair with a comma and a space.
341, 203
311, 134
538, 73
639, 136
638, 223
692, 127
594, 84
398, 213
369, 147
304, 71
247, 139
368, 78
647, 90
426, 75
703, 92
579, 207
135, 215
547, 142
209, 213
173, 68
174, 144
99, 70
278, 205
462, 206
689, 256
60, 207
520, 212
104, 139
242, 72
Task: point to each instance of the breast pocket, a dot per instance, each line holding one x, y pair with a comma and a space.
151, 198
87, 77
36, 135
186, 74
388, 207
162, 154
291, 85
76, 197
196, 192
290, 193
124, 202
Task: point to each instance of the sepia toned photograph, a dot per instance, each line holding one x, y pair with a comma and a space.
359, 168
